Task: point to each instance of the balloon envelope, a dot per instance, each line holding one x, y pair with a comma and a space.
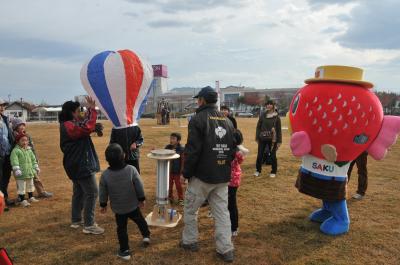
119, 82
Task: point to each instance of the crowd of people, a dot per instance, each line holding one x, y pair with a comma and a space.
209, 163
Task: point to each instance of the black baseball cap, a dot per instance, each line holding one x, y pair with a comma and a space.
207, 93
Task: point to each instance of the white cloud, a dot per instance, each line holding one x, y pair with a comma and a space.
374, 25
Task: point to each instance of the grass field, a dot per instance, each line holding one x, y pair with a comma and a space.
273, 215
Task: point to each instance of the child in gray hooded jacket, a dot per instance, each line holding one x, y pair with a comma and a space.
121, 184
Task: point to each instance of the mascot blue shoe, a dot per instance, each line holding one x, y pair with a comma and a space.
339, 222
322, 214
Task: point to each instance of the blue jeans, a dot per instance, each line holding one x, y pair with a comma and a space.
85, 192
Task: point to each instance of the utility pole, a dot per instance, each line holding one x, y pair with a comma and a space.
22, 110
217, 89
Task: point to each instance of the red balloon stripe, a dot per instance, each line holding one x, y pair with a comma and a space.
134, 78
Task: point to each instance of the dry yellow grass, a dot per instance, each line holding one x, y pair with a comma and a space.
273, 216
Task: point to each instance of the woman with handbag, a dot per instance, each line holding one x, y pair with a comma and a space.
269, 138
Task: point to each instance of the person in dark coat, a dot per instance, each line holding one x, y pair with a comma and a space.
227, 113
80, 162
130, 139
361, 161
268, 137
207, 165
6, 145
175, 168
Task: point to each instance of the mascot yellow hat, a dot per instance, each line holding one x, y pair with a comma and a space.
339, 73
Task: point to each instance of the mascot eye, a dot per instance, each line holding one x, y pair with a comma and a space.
295, 104
360, 139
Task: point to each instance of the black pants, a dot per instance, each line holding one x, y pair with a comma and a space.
232, 207
261, 153
361, 162
122, 223
134, 163
5, 174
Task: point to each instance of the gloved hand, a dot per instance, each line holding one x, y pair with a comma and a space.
18, 173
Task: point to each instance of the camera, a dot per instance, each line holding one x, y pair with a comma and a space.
98, 129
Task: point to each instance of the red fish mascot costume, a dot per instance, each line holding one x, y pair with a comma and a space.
334, 118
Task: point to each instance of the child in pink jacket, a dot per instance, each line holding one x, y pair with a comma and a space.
234, 184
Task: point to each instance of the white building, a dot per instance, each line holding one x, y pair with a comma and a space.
50, 113
231, 94
20, 110
45, 113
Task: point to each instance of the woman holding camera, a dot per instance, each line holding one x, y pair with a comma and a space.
80, 162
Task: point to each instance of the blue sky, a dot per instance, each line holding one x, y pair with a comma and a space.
257, 43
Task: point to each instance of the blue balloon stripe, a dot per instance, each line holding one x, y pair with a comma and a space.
144, 102
97, 80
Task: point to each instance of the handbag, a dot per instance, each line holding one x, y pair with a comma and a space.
268, 159
268, 135
267, 155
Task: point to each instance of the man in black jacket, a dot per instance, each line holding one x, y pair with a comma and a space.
6, 145
208, 155
130, 139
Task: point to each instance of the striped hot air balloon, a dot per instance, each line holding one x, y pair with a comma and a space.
119, 82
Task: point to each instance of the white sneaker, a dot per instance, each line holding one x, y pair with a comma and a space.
25, 203
33, 199
76, 225
146, 242
235, 233
358, 196
94, 229
126, 255
272, 175
256, 174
